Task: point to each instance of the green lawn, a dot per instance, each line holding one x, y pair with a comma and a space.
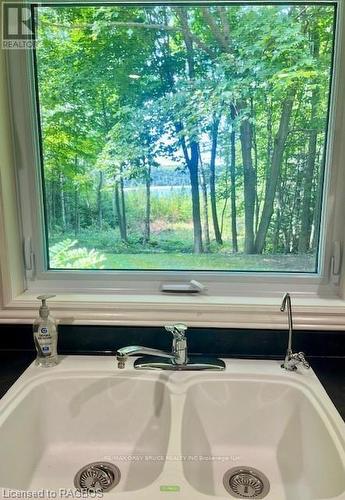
209, 262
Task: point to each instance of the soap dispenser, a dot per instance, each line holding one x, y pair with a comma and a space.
45, 335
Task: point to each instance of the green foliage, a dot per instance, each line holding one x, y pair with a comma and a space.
64, 255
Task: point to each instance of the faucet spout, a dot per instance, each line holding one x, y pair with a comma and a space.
292, 360
286, 303
132, 350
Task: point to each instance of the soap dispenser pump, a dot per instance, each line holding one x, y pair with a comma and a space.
45, 335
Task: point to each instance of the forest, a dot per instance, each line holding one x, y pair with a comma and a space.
184, 137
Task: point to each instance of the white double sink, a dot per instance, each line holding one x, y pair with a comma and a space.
171, 434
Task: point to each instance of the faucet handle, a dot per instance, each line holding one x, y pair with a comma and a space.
301, 358
292, 361
178, 330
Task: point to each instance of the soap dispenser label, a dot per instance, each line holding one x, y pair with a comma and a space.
44, 340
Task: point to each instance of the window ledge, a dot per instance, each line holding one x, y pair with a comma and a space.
314, 313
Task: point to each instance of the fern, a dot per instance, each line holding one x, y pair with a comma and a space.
64, 255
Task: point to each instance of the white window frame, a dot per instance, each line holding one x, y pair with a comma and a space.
134, 297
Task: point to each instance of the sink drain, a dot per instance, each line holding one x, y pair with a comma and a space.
98, 476
246, 482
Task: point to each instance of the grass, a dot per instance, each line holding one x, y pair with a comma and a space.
211, 262
171, 248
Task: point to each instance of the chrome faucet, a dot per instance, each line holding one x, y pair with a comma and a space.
292, 360
178, 353
177, 359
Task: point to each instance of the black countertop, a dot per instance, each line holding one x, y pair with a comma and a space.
12, 365
330, 371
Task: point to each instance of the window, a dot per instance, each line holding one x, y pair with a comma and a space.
184, 137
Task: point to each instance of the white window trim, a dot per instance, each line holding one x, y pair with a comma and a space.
120, 297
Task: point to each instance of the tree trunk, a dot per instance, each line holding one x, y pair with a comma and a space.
276, 231
278, 221
62, 203
271, 186
53, 203
118, 212
233, 181
123, 209
76, 202
296, 212
99, 200
306, 216
147, 232
50, 203
192, 160
223, 215
193, 172
214, 135
117, 209
203, 184
115, 205
256, 161
249, 184
267, 170
76, 212
317, 211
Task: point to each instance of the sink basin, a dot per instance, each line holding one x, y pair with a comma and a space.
61, 423
272, 426
185, 435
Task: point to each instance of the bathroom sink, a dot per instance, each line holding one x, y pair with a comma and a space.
265, 432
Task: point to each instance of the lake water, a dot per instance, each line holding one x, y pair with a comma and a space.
161, 191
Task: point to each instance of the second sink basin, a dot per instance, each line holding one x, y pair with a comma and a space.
270, 426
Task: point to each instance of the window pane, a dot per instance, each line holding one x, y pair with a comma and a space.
187, 137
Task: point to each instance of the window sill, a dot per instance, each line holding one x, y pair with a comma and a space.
310, 313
